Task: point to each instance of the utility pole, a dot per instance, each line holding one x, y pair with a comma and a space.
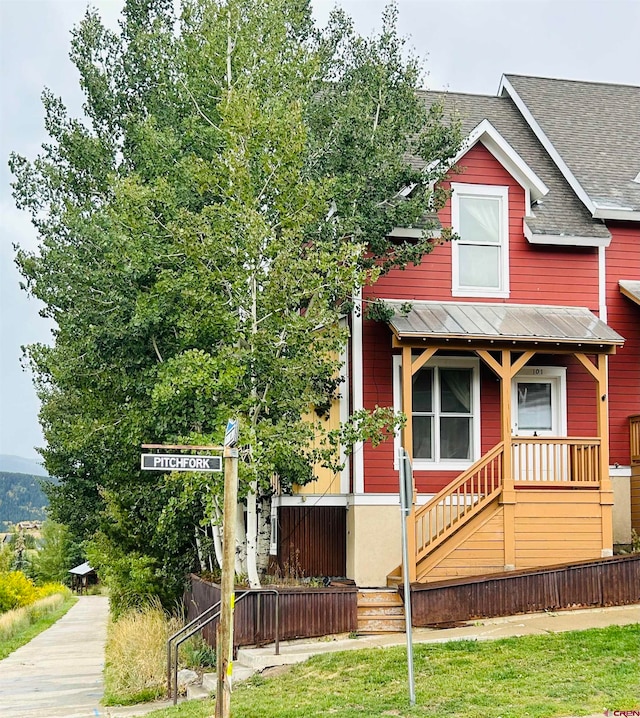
224, 638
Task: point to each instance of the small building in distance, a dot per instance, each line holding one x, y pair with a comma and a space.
82, 577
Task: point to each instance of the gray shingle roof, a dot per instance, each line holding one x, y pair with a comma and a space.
560, 212
503, 323
630, 288
595, 127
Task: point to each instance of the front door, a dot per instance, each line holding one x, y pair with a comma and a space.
539, 410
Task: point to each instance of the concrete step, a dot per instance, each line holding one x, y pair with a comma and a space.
197, 693
240, 673
260, 661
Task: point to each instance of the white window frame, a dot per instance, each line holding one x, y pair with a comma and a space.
448, 363
557, 376
494, 192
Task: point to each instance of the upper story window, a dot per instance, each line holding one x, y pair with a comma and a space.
480, 258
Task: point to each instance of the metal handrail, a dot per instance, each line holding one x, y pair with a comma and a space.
190, 629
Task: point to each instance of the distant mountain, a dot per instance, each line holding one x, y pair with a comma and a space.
21, 498
20, 465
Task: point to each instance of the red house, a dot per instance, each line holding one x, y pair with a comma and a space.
514, 351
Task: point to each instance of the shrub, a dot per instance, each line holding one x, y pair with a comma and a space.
16, 590
17, 619
135, 669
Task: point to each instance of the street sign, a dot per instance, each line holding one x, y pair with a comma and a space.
231, 433
180, 462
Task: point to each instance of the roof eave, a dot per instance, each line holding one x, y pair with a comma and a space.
629, 292
564, 240
616, 213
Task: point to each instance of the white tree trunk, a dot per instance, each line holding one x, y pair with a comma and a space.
203, 566
252, 537
241, 542
216, 530
217, 537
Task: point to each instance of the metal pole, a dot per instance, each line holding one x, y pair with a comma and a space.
405, 508
224, 667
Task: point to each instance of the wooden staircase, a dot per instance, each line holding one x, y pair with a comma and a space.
380, 610
452, 508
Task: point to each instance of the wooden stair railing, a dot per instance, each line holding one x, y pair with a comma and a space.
458, 502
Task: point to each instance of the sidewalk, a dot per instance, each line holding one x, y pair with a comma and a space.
59, 673
484, 630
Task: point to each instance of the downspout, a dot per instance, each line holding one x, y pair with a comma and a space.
357, 390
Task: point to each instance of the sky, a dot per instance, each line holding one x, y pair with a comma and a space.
467, 45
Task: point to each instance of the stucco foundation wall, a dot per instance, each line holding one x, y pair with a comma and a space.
374, 544
621, 509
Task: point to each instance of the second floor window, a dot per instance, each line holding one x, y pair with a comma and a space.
480, 257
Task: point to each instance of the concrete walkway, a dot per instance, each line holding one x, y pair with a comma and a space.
59, 673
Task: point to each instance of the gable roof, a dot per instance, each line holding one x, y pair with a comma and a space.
592, 132
559, 215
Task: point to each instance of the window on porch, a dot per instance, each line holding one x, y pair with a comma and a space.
446, 412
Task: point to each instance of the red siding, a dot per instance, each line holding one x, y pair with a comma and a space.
538, 275
623, 262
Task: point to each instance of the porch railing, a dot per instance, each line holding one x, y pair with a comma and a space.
458, 502
634, 435
556, 460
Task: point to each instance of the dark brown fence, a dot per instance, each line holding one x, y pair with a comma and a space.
312, 540
608, 582
304, 612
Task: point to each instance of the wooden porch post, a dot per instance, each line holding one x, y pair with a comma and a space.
407, 408
508, 499
505, 372
599, 372
409, 368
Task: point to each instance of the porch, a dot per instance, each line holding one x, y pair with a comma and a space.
530, 500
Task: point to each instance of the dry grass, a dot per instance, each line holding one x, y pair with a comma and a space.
135, 668
16, 620
19, 625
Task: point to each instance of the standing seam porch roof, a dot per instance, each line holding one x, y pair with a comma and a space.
502, 322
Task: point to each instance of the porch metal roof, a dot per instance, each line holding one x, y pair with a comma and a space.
631, 289
467, 321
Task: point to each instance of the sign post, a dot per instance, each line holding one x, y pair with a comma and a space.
406, 498
224, 638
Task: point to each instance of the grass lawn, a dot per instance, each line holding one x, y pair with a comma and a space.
26, 633
547, 676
